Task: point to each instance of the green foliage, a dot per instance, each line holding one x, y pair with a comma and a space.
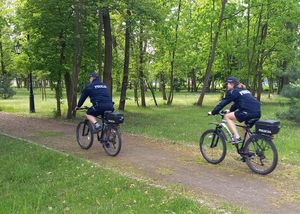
6, 90
291, 91
292, 114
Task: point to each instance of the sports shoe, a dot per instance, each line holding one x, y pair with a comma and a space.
97, 129
236, 141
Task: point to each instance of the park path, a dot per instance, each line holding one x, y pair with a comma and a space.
173, 165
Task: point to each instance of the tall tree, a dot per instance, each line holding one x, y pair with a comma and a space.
173, 52
211, 57
126, 61
77, 55
107, 78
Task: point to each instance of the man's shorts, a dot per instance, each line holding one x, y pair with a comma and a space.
97, 110
243, 116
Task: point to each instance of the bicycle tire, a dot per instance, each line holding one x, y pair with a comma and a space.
215, 146
112, 142
84, 134
257, 154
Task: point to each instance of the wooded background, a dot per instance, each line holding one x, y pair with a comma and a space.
155, 45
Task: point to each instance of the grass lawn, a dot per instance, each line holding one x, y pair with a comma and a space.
180, 122
37, 180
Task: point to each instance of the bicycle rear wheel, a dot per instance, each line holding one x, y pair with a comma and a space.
213, 146
112, 141
84, 134
261, 154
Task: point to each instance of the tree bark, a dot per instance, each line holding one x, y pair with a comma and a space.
163, 85
107, 78
77, 56
99, 42
126, 63
171, 93
152, 92
58, 86
248, 44
212, 55
141, 67
253, 90
3, 70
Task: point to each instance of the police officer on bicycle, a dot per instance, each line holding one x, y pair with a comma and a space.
100, 98
245, 107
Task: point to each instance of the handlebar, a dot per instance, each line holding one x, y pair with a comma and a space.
82, 108
221, 113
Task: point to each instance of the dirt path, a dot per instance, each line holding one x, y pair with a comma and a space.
179, 166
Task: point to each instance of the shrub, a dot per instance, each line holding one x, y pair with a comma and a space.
291, 91
293, 113
5, 87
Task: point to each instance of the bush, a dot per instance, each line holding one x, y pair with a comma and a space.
291, 91
5, 87
293, 113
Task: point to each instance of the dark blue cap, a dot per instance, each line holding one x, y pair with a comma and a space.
233, 80
94, 74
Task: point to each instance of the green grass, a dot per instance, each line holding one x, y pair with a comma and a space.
36, 180
182, 121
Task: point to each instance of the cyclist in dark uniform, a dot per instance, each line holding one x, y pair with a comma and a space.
245, 106
100, 98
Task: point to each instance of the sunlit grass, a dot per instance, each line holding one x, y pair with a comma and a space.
37, 180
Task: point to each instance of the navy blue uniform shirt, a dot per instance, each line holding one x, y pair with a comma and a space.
243, 101
98, 93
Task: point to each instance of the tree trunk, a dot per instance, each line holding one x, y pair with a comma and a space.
107, 78
58, 87
212, 55
141, 67
135, 91
3, 70
77, 56
152, 92
163, 85
126, 63
253, 51
248, 44
99, 42
271, 88
171, 93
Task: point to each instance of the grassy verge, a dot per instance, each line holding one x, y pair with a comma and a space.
182, 121
36, 180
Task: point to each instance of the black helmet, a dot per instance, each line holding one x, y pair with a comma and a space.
233, 80
94, 74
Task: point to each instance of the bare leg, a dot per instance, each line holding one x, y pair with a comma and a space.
230, 118
91, 118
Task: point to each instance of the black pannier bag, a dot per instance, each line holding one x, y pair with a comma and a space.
114, 117
267, 126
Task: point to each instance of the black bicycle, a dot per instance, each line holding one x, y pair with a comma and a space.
257, 148
109, 135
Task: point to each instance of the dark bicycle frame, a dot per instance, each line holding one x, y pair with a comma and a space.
240, 146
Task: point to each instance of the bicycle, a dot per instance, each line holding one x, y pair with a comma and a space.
109, 135
257, 148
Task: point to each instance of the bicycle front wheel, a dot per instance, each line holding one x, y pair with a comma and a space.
261, 154
84, 134
112, 141
213, 146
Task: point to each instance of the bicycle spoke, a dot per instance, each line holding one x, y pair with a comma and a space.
212, 147
262, 155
